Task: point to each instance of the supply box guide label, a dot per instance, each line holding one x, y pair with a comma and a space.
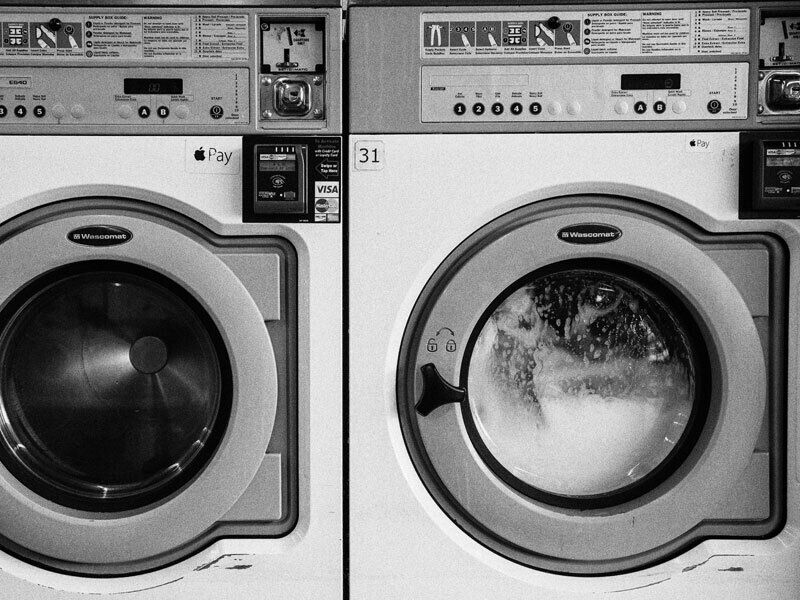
593, 33
92, 36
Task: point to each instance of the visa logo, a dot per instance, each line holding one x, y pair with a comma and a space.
326, 189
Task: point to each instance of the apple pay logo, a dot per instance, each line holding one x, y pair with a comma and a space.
698, 143
213, 155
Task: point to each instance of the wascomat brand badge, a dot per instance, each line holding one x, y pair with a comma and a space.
589, 233
99, 235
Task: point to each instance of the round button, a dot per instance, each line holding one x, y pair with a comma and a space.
144, 111
679, 107
640, 108
478, 108
278, 181
554, 108
125, 111
20, 111
216, 112
660, 107
714, 106
459, 108
3, 111
621, 107
785, 177
497, 108
78, 111
59, 111
162, 112
535, 108
182, 112
516, 108
39, 111
574, 108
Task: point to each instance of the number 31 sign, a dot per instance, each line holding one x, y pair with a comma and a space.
369, 155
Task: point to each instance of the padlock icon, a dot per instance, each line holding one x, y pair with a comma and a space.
450, 346
432, 345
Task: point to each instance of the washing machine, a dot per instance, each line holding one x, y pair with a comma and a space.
573, 300
171, 358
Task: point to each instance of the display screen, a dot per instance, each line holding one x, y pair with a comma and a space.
644, 81
153, 86
783, 161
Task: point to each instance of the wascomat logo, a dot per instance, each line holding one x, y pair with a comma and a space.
99, 235
589, 233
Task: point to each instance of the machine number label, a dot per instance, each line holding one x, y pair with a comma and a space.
574, 34
369, 155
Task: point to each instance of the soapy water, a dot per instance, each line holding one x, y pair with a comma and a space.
581, 382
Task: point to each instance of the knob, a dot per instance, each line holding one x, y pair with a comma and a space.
59, 111
679, 107
78, 111
55, 24
125, 111
553, 23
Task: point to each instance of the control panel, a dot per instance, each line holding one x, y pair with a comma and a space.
618, 92
146, 96
292, 179
170, 70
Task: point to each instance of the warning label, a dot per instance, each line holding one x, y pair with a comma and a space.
158, 37
594, 33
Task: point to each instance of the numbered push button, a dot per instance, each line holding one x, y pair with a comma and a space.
162, 112
660, 107
459, 108
535, 108
20, 111
640, 108
478, 108
3, 111
497, 108
144, 111
39, 111
516, 108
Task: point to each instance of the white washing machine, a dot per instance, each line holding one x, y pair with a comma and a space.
171, 373
573, 328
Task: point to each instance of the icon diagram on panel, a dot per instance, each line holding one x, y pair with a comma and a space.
433, 35
462, 34
488, 34
542, 34
15, 35
43, 35
569, 34
515, 33
69, 36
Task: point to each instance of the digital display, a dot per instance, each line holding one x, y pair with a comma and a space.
153, 86
643, 81
783, 161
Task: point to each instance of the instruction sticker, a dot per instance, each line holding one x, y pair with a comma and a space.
127, 36
712, 32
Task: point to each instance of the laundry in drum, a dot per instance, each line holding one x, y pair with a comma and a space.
581, 372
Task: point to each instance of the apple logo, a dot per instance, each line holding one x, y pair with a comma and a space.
693, 143
200, 154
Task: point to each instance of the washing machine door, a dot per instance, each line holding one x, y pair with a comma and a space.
579, 386
138, 389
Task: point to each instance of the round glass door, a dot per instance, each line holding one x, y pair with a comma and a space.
584, 384
114, 386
